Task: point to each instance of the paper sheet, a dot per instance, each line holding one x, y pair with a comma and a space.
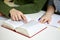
54, 21
15, 24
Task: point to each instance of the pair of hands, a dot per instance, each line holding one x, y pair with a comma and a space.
18, 15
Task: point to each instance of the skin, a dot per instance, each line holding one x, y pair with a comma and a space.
17, 15
47, 16
1, 14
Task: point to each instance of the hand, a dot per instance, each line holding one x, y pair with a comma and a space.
1, 14
17, 15
45, 18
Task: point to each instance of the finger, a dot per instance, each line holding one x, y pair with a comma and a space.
24, 18
49, 21
45, 21
42, 20
12, 17
16, 17
19, 17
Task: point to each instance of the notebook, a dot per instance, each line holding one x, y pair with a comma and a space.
54, 21
29, 29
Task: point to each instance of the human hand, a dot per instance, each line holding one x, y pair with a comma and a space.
45, 18
1, 14
17, 15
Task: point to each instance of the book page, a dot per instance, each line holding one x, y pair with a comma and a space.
31, 28
15, 24
54, 21
2, 19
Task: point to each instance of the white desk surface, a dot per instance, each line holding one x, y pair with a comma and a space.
51, 33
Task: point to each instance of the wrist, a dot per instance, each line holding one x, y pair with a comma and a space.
12, 9
49, 14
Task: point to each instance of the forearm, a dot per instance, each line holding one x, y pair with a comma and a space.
29, 8
39, 4
32, 7
50, 10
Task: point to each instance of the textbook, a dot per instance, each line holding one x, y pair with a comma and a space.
29, 29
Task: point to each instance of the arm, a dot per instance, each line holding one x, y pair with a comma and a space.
18, 12
4, 8
50, 11
32, 7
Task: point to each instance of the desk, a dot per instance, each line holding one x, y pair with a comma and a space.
51, 33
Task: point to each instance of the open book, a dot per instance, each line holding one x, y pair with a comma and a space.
33, 27
29, 29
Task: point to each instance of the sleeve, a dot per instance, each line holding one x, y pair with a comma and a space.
50, 2
32, 7
4, 9
39, 4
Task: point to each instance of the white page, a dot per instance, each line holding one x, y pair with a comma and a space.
36, 16
54, 21
15, 24
2, 19
33, 27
